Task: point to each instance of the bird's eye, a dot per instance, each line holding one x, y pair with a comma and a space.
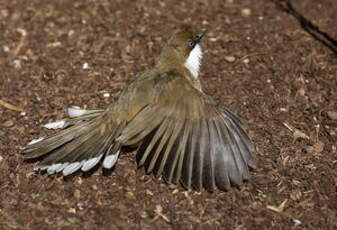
191, 44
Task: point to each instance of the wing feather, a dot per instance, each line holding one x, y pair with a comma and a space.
179, 146
163, 142
186, 138
176, 130
153, 142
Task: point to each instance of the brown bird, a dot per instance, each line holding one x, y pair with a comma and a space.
180, 132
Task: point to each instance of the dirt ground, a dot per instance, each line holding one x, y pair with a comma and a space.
258, 62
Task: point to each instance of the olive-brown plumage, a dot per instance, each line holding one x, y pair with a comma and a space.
180, 132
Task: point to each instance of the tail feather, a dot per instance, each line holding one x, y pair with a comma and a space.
46, 145
37, 147
71, 150
79, 147
76, 115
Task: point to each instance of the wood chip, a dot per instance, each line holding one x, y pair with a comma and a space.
148, 192
8, 124
332, 115
319, 147
279, 208
77, 194
296, 132
310, 166
159, 212
11, 107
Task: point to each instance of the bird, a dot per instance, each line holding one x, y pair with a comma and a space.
178, 132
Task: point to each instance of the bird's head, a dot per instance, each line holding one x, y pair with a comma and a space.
183, 49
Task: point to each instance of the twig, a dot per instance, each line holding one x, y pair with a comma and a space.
11, 107
307, 25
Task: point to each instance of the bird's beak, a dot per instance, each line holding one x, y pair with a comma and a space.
199, 36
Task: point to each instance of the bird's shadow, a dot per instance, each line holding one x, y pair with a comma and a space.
319, 35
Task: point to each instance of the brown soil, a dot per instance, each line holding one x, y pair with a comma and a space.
281, 77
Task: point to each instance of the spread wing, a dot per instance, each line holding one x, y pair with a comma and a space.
185, 137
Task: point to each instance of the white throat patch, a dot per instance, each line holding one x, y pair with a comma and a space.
194, 60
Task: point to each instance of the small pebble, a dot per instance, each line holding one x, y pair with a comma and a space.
23, 114
213, 39
17, 63
297, 222
6, 49
246, 61
230, 58
246, 12
85, 66
106, 95
23, 32
80, 206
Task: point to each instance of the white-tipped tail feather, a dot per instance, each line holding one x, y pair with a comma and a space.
73, 167
89, 164
85, 165
36, 140
75, 112
56, 125
110, 160
54, 168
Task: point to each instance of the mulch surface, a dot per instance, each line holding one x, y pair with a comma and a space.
258, 62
